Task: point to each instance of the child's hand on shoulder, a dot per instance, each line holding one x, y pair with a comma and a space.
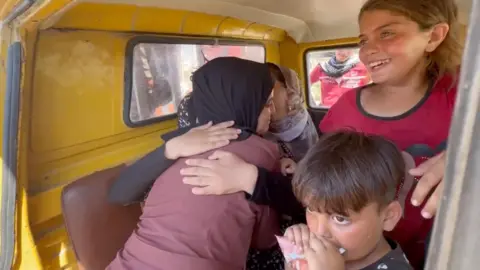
287, 166
321, 254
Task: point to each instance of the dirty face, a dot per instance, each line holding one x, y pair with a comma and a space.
359, 233
391, 46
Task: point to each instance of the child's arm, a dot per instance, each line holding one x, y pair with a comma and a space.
131, 185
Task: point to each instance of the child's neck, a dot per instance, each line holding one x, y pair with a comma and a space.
414, 82
389, 100
382, 248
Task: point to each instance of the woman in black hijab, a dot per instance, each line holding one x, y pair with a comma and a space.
179, 230
132, 183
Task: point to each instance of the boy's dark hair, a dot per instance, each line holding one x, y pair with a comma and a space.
345, 171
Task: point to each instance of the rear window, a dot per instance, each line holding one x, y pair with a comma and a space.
331, 73
159, 75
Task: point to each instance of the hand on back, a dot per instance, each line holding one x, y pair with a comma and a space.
201, 139
222, 173
431, 172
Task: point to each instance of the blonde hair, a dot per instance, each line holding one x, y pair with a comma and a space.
447, 57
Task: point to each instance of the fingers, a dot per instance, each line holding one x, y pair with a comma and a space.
305, 237
208, 190
196, 181
222, 125
428, 181
433, 202
207, 125
203, 185
196, 171
425, 166
222, 136
328, 245
299, 235
220, 154
232, 131
290, 169
199, 162
316, 244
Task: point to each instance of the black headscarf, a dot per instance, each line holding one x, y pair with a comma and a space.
228, 88
223, 89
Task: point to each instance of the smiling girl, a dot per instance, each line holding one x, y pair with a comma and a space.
411, 51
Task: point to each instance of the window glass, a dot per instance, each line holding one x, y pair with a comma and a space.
331, 73
162, 74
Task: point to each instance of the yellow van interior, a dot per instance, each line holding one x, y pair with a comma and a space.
85, 65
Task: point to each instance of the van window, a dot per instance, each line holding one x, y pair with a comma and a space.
161, 75
331, 73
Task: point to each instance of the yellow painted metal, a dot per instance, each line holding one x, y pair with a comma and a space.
105, 17
6, 7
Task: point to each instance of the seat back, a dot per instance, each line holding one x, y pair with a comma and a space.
97, 229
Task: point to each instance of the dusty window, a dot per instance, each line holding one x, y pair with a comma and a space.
161, 74
331, 73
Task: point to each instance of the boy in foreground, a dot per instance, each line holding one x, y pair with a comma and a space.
350, 184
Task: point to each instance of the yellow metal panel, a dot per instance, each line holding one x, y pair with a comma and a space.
55, 249
40, 11
112, 17
289, 51
258, 31
164, 22
272, 52
26, 255
158, 20
6, 7
208, 27
231, 27
274, 34
75, 80
327, 43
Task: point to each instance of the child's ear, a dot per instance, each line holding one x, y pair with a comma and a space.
437, 36
391, 215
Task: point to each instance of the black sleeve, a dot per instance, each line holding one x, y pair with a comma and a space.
275, 190
134, 181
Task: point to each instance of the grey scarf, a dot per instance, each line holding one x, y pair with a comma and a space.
296, 132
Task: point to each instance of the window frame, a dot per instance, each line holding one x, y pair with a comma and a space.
350, 45
171, 40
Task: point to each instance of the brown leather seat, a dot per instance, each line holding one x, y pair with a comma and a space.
97, 229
